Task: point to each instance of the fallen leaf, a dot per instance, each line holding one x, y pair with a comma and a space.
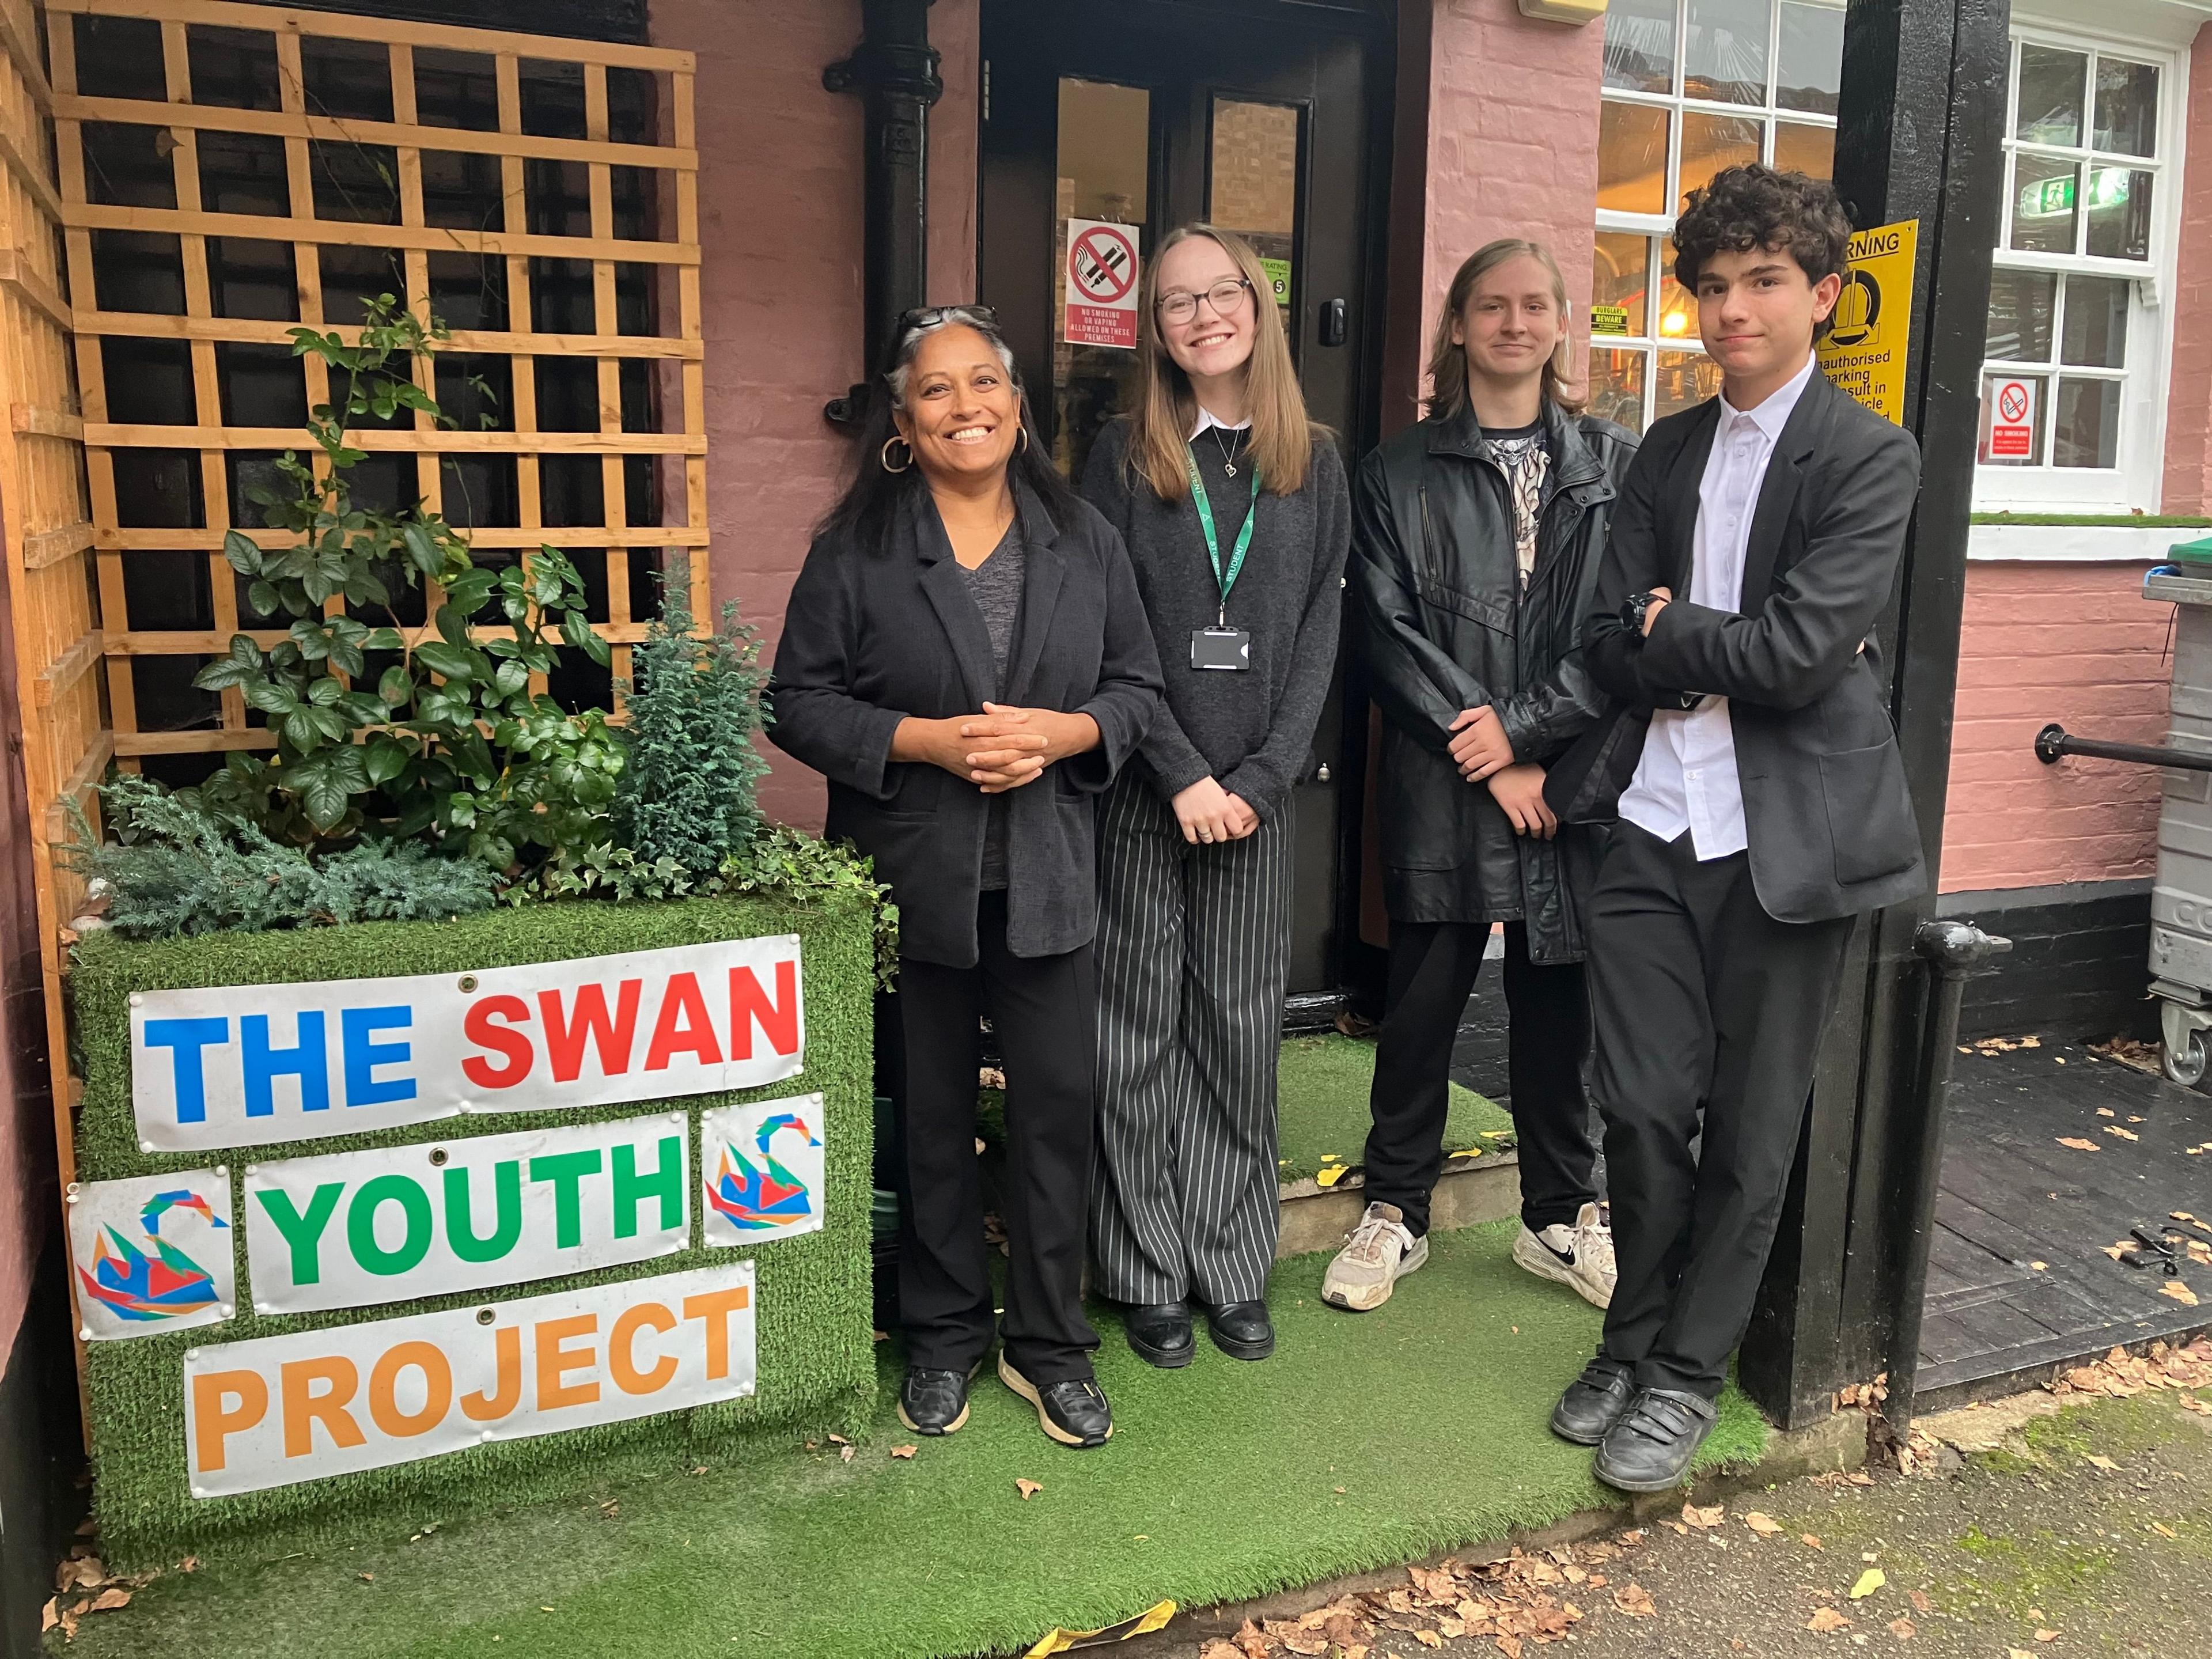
1029, 1489
49, 1616
109, 1600
1707, 1518
1217, 1649
2039, 1266
1825, 1618
2077, 1142
2124, 1135
904, 1451
1507, 1645
1331, 1175
2116, 1251
1635, 1601
1920, 1602
2163, 1530
1764, 1525
2179, 1291
2018, 1653
1811, 1541
2106, 1111
845, 1454
1903, 1629
190, 1563
366, 1578
2095, 1461
1869, 1580
839, 1440
1428, 1638
2046, 1635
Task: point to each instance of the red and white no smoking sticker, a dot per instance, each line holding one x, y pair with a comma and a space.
2011, 436
1101, 284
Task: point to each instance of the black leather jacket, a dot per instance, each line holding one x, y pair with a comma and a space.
1448, 628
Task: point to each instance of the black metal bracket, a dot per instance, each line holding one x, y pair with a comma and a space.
2054, 743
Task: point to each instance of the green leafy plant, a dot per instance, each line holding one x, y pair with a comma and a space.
686, 797
173, 869
452, 745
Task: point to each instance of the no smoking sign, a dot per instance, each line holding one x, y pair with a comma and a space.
1101, 284
2011, 434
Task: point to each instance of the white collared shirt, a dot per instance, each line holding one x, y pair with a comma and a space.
1686, 779
1206, 417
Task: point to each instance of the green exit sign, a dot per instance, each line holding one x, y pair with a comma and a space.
2046, 197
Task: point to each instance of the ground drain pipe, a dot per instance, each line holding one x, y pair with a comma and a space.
1955, 952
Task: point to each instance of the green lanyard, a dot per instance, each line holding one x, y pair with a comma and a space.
1212, 541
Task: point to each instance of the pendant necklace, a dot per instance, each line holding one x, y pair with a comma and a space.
1228, 452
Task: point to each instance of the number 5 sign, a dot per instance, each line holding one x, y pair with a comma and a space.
1101, 284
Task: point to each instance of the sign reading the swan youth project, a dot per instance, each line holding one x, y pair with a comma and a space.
399, 1222
278, 1410
250, 1065
1870, 333
152, 1254
762, 1169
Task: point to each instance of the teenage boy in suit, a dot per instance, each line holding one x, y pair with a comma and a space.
1766, 807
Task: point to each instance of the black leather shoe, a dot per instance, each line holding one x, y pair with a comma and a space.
1241, 1330
933, 1401
1594, 1402
1160, 1334
1651, 1447
1074, 1412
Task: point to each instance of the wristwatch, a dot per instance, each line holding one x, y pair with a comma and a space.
1636, 609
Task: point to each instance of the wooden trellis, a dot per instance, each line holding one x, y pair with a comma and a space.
496, 132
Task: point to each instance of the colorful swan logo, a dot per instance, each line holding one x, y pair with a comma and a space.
133, 1285
758, 1200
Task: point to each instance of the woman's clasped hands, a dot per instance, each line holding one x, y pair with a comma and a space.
1001, 748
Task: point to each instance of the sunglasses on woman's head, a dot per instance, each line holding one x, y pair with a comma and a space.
933, 316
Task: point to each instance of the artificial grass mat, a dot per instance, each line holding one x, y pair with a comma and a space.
1323, 1084
1367, 1440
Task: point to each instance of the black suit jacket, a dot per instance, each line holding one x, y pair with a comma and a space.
873, 636
1826, 809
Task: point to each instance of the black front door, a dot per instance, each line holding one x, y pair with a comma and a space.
1264, 118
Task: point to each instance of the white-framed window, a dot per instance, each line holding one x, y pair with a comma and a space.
1692, 86
2073, 408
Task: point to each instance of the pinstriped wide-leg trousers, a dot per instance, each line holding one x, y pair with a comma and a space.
1192, 954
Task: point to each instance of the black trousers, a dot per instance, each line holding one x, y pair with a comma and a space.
1432, 969
1709, 1014
1044, 1010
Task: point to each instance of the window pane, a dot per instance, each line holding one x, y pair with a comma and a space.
1812, 56
1632, 159
1724, 54
1616, 386
1711, 142
1801, 148
2119, 212
1618, 302
2089, 427
2096, 322
1678, 307
1639, 45
2042, 206
2003, 443
1253, 189
2050, 83
1105, 162
1685, 379
2021, 306
2127, 107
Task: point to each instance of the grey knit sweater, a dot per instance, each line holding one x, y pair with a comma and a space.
1252, 731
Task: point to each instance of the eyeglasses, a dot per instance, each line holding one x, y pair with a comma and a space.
938, 316
1225, 296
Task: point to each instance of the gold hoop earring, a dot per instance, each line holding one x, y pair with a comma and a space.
886, 457
1024, 449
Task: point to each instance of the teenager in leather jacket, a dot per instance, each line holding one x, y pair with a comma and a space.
1476, 537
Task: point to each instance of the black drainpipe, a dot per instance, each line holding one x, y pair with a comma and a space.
895, 71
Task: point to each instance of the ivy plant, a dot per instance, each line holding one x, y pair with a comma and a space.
429, 732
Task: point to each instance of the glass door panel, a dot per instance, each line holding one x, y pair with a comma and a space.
1253, 185
1104, 174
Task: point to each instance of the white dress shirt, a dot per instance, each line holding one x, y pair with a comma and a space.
1206, 417
1686, 779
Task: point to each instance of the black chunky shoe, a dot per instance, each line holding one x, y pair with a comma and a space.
1651, 1447
1159, 1331
1074, 1412
1242, 1329
933, 1401
1594, 1402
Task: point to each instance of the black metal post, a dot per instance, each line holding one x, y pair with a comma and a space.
2054, 743
1919, 137
895, 71
1954, 952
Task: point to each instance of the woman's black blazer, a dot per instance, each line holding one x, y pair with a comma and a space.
873, 636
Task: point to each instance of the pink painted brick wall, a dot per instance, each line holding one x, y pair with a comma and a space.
2074, 643
781, 287
2189, 401
1512, 143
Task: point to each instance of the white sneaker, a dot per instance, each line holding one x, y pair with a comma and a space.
1379, 1251
1580, 1255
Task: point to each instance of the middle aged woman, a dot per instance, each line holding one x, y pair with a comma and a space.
966, 660
1237, 519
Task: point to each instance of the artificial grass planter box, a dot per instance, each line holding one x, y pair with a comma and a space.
810, 1293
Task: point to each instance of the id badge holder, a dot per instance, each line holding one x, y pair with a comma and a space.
1229, 648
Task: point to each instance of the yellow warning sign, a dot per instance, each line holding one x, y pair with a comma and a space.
1609, 319
1872, 328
